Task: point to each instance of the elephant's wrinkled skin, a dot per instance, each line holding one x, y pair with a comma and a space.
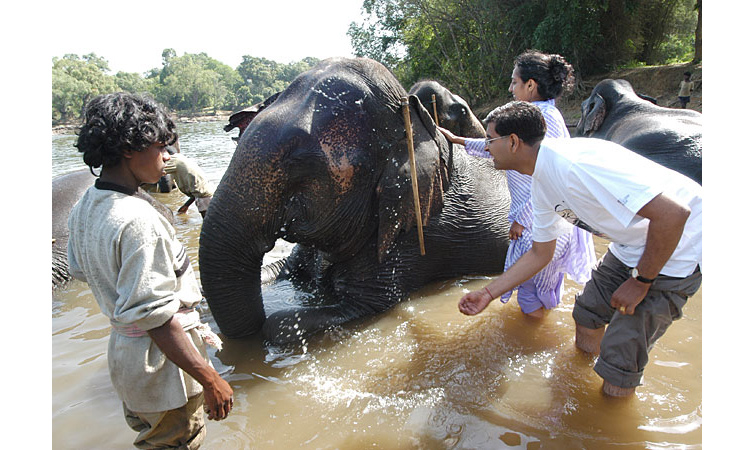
454, 114
670, 137
66, 191
326, 166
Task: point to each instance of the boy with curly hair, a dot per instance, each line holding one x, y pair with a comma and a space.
142, 278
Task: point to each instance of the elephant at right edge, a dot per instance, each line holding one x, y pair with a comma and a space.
326, 166
670, 137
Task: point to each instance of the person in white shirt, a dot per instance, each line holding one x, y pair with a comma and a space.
651, 214
142, 278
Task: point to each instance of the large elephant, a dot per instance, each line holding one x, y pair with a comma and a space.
66, 191
454, 113
326, 166
670, 137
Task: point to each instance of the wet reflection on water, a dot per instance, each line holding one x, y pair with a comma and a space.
421, 375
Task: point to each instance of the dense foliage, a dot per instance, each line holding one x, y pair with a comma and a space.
190, 83
470, 45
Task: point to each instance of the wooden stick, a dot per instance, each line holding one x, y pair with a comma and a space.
435, 111
413, 166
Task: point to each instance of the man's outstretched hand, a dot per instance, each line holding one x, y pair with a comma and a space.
474, 302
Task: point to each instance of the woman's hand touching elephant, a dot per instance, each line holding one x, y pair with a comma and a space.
516, 230
450, 136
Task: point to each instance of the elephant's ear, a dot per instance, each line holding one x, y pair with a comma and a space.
394, 189
593, 114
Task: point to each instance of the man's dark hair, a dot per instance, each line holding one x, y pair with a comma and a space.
114, 123
521, 118
552, 73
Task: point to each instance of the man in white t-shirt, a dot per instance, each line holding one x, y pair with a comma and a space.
651, 214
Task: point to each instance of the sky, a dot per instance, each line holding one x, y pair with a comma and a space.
132, 35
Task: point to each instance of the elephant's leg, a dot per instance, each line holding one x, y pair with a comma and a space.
60, 273
302, 267
291, 325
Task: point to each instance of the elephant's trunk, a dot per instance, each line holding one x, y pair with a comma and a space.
231, 248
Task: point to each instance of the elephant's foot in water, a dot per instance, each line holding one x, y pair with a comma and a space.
290, 326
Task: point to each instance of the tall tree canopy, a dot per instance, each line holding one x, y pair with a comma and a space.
75, 81
470, 45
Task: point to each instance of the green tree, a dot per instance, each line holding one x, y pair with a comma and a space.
263, 77
195, 81
66, 95
133, 82
75, 81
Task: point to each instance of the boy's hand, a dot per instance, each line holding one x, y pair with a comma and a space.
218, 399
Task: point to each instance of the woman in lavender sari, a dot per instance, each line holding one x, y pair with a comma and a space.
539, 78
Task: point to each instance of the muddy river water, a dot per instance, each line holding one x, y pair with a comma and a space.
421, 375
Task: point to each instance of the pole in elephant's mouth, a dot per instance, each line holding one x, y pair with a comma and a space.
435, 110
413, 166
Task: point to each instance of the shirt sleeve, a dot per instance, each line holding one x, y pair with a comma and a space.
73, 265
548, 225
554, 124
170, 166
620, 195
476, 147
146, 282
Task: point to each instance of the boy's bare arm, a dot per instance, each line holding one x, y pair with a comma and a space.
172, 340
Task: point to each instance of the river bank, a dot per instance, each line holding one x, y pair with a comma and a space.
219, 116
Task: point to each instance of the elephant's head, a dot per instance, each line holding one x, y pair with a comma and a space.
604, 97
326, 166
454, 113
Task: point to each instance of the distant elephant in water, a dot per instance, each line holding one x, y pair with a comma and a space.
670, 137
326, 166
454, 114
66, 191
165, 185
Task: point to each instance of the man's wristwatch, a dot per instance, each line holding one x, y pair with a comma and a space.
636, 275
